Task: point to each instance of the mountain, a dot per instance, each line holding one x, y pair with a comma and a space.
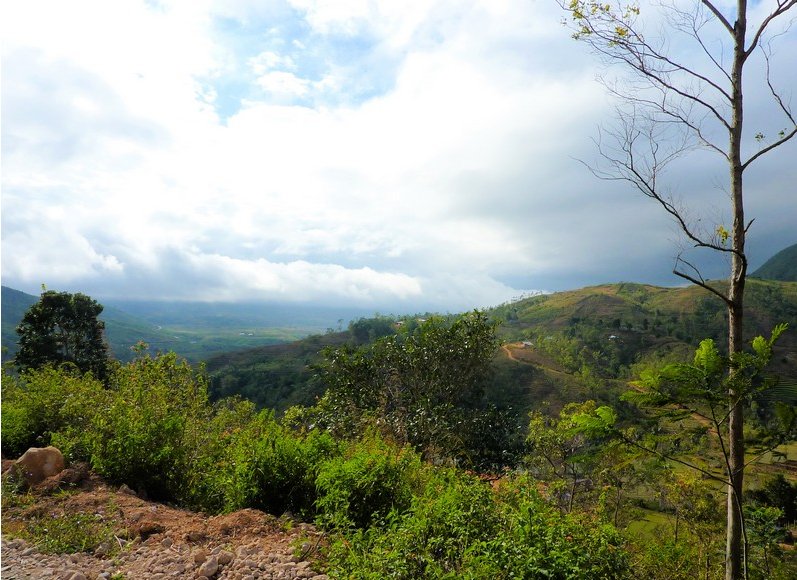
13, 305
122, 330
193, 330
782, 266
558, 348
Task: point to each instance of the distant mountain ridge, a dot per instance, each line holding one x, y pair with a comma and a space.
782, 266
195, 331
559, 348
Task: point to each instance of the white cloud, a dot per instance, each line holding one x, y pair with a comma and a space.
450, 174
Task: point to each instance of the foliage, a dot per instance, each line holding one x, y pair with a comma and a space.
365, 330
661, 557
418, 387
360, 488
388, 513
707, 388
778, 493
568, 451
63, 328
43, 401
140, 435
69, 533
55, 530
459, 528
272, 469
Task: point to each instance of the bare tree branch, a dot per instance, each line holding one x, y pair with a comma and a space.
783, 7
770, 147
718, 14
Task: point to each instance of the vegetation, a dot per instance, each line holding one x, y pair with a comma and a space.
377, 459
686, 104
423, 387
782, 266
63, 328
571, 509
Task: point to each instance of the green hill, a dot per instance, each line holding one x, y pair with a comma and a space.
122, 330
13, 304
579, 344
204, 331
782, 266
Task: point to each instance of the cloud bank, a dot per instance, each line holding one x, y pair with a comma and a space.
407, 155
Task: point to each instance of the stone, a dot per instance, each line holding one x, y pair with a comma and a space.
126, 490
148, 527
37, 464
225, 557
209, 568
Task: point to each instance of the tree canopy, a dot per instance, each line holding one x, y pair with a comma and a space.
63, 328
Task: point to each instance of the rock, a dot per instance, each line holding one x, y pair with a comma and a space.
126, 490
37, 464
195, 536
209, 568
167, 542
200, 556
69, 477
225, 557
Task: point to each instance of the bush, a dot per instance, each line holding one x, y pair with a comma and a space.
363, 486
460, 528
272, 469
41, 402
429, 541
140, 437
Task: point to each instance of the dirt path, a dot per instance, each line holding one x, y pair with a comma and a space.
545, 368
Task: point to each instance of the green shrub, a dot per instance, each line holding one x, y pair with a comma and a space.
69, 533
207, 444
537, 540
272, 469
460, 528
428, 541
364, 485
41, 402
139, 437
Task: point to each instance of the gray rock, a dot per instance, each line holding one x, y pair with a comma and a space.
209, 567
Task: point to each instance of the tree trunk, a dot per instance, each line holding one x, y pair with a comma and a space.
735, 561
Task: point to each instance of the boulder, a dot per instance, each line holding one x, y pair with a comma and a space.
37, 464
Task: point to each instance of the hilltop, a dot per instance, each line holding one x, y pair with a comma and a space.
559, 348
782, 266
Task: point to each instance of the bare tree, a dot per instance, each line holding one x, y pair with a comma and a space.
681, 97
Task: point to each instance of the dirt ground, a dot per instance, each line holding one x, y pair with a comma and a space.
152, 540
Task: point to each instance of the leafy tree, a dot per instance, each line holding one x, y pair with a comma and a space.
63, 328
707, 390
673, 103
559, 450
422, 387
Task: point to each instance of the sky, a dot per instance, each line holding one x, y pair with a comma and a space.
400, 156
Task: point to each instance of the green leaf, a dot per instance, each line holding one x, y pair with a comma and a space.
708, 358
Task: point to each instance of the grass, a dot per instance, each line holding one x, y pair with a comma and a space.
51, 529
68, 533
650, 524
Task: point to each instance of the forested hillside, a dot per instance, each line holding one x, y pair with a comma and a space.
579, 344
782, 266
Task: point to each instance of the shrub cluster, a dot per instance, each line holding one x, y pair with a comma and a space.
389, 514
